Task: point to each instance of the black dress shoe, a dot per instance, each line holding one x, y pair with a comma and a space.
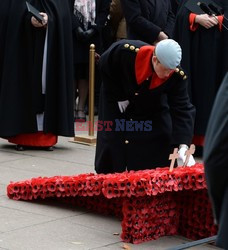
49, 148
19, 148
80, 116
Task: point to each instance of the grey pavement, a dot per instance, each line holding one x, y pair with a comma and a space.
49, 225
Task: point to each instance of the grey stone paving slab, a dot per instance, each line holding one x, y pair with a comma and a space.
67, 154
98, 222
80, 156
160, 244
10, 156
8, 175
4, 248
53, 209
2, 190
12, 219
56, 235
47, 167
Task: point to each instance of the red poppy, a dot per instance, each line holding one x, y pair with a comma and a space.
143, 199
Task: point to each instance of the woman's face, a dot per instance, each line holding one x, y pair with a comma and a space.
161, 71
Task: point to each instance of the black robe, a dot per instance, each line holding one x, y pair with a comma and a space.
216, 161
4, 10
166, 108
205, 60
146, 18
21, 98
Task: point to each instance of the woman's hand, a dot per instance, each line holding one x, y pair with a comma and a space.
38, 24
206, 21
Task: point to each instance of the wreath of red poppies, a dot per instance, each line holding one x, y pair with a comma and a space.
152, 203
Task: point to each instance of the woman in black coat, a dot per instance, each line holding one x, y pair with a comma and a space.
88, 20
143, 113
148, 20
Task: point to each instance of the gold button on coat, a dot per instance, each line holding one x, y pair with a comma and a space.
126, 45
136, 93
181, 72
126, 142
132, 47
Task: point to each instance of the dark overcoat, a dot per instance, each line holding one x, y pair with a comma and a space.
155, 120
216, 161
81, 48
204, 57
146, 18
175, 4
21, 97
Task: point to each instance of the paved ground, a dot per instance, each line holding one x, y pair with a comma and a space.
52, 226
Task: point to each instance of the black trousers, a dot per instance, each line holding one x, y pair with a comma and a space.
222, 240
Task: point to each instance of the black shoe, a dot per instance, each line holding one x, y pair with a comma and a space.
19, 148
49, 148
80, 116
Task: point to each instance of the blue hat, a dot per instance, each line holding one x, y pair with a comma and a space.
169, 53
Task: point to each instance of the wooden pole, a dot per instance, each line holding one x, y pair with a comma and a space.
91, 88
89, 139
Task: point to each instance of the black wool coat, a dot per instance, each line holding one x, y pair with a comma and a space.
175, 4
81, 48
165, 113
216, 161
204, 57
21, 96
146, 18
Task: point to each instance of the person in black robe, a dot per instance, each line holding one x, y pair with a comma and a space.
148, 20
4, 10
37, 74
216, 161
204, 43
144, 111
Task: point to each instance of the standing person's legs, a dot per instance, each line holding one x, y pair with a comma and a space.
222, 240
83, 87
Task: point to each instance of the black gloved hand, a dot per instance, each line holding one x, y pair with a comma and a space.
89, 33
80, 34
